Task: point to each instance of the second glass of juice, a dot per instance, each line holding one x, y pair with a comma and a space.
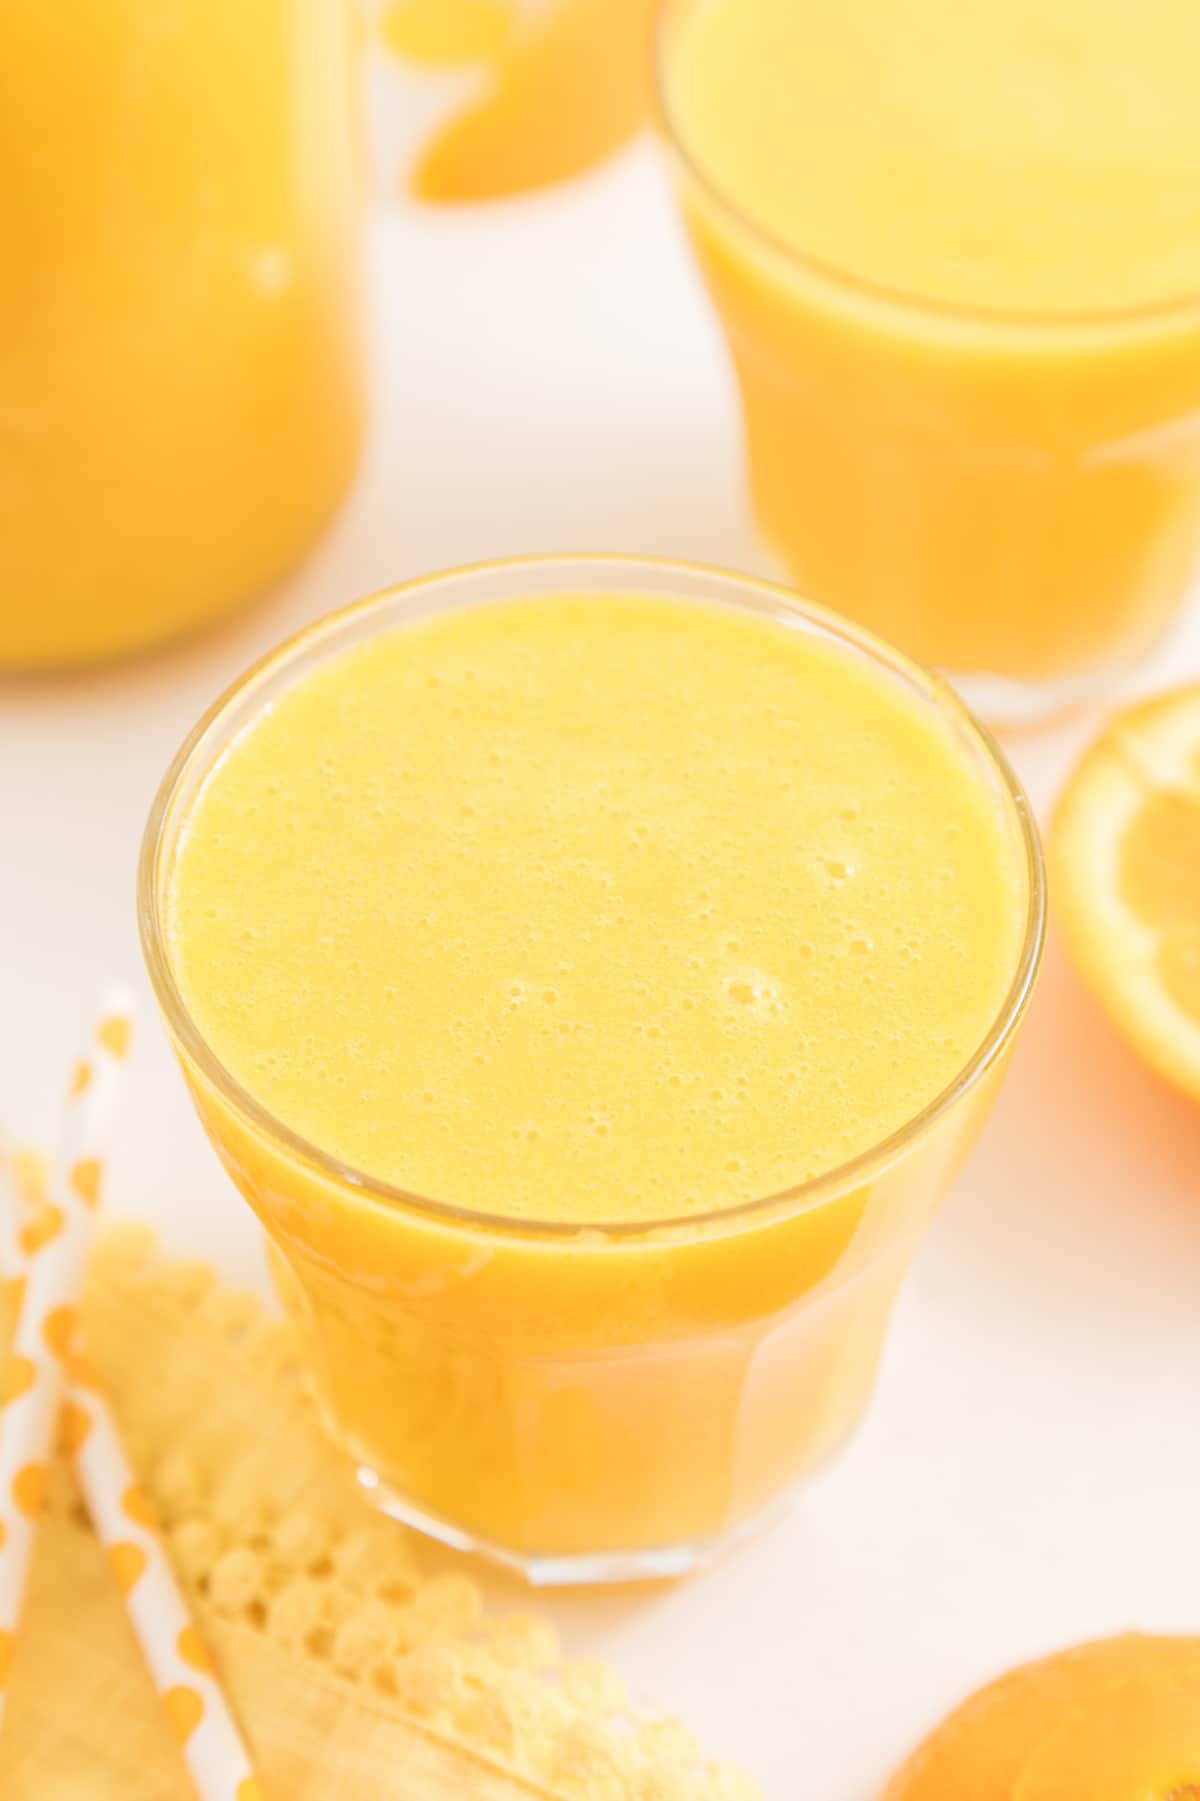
593, 973
956, 253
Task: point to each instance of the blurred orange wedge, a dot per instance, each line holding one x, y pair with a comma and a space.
1115, 1721
571, 84
1125, 863
446, 32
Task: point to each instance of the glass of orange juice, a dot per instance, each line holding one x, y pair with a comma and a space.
593, 973
181, 380
956, 253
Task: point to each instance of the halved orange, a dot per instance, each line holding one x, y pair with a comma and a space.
1125, 867
1113, 1721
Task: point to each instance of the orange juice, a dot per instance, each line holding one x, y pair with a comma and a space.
180, 344
593, 991
956, 249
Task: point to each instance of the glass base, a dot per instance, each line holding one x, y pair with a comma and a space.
571, 1569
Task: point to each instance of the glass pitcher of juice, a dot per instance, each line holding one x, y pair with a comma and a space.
181, 379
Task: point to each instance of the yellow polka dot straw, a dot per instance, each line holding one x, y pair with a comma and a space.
175, 1654
45, 1374
53, 1247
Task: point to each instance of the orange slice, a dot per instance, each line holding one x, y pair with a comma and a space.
1125, 862
570, 85
447, 32
1114, 1721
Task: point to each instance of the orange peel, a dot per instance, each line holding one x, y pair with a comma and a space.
1118, 1720
1125, 868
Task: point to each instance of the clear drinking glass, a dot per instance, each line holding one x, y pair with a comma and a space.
1013, 498
604, 1402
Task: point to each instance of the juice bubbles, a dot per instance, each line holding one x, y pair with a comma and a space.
593, 974
956, 250
180, 343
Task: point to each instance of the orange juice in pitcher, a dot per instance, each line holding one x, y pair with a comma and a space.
181, 350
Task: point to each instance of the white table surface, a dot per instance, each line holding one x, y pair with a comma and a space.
549, 378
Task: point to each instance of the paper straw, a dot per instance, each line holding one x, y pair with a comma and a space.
52, 1245
175, 1654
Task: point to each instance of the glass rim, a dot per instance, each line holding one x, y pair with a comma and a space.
910, 302
337, 630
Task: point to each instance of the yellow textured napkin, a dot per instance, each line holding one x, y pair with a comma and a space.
354, 1677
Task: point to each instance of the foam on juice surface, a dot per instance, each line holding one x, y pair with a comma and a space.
596, 907
1025, 154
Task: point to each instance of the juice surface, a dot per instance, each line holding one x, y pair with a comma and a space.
1027, 155
596, 907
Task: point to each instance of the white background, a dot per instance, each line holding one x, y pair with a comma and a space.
548, 378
